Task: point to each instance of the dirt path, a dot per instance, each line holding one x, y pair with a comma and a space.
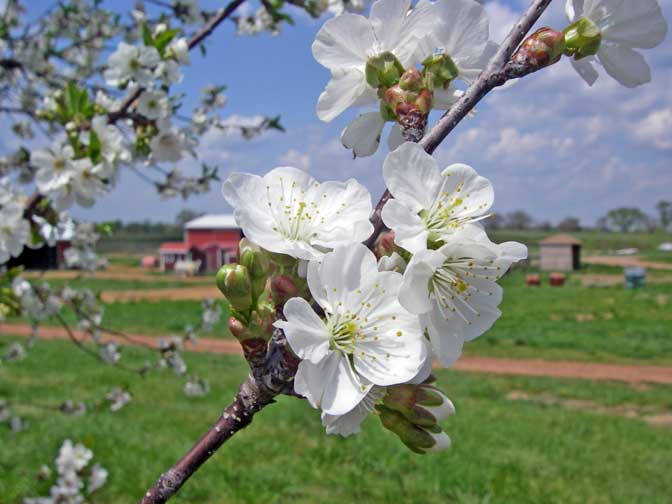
608, 280
491, 365
116, 272
186, 293
626, 261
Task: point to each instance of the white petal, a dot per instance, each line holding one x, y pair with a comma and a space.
388, 19
625, 65
346, 88
349, 423
414, 292
344, 42
446, 98
584, 67
442, 442
305, 331
412, 176
409, 231
345, 270
635, 24
331, 385
363, 134
446, 344
396, 138
476, 192
573, 9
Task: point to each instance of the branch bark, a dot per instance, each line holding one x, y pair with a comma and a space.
264, 382
500, 70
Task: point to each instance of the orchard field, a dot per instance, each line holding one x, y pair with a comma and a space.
515, 438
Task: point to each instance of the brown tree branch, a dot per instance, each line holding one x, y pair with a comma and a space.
500, 70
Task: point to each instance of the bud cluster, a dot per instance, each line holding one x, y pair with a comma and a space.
413, 413
407, 94
582, 38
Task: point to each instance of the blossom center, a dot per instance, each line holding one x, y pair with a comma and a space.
294, 217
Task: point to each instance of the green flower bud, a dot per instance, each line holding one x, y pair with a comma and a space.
257, 263
439, 70
383, 70
582, 38
417, 439
233, 281
544, 47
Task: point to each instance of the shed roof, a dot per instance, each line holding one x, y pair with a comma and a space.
560, 239
213, 221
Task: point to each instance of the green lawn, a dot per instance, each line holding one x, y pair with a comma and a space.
504, 451
582, 323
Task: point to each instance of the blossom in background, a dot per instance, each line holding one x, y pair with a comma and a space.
366, 339
14, 230
178, 49
287, 211
168, 144
154, 104
429, 204
112, 148
72, 458
118, 398
608, 31
454, 288
131, 63
188, 11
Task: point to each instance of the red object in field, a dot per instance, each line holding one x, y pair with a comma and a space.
557, 279
149, 262
534, 280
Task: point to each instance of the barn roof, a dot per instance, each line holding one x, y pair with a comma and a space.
560, 239
213, 221
174, 246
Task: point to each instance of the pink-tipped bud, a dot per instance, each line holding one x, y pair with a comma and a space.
412, 80
544, 47
424, 101
395, 96
237, 328
385, 245
282, 289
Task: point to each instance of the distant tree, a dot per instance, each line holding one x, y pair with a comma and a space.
185, 216
602, 224
543, 226
627, 219
518, 219
495, 221
664, 213
569, 224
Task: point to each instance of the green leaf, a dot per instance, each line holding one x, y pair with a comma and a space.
147, 35
274, 123
93, 151
163, 39
71, 99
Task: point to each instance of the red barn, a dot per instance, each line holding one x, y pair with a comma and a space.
212, 239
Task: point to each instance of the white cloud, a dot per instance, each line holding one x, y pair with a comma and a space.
656, 129
502, 19
296, 159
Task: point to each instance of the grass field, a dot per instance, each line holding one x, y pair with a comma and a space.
504, 450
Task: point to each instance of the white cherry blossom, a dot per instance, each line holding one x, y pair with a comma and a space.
624, 26
346, 42
14, 231
154, 104
112, 147
454, 289
168, 144
430, 204
131, 63
366, 339
287, 211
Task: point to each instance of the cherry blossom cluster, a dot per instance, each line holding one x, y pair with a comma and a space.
75, 480
366, 327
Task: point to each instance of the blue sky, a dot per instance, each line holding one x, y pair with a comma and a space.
550, 144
